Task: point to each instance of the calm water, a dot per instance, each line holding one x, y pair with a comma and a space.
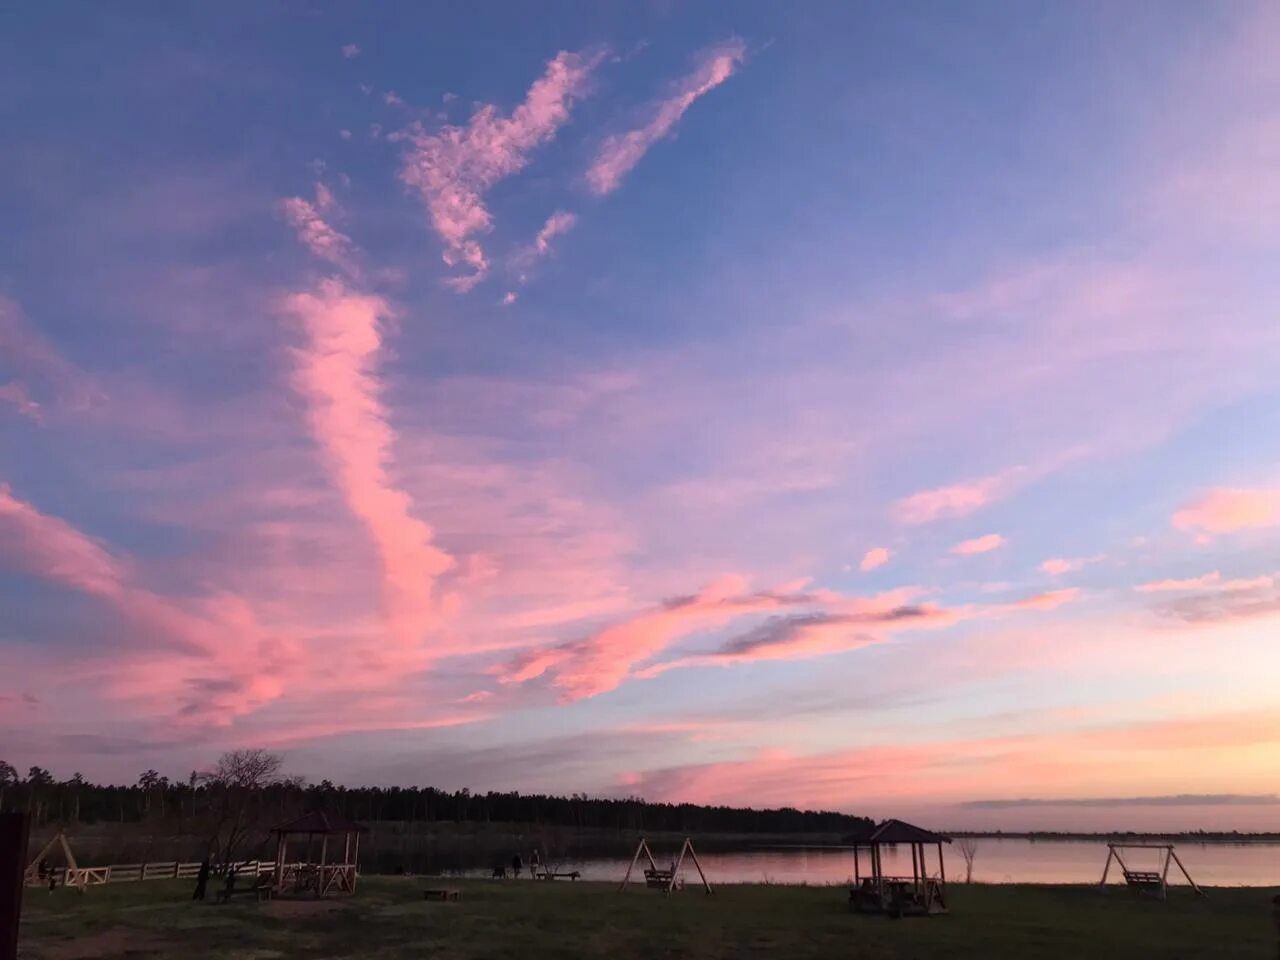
997, 861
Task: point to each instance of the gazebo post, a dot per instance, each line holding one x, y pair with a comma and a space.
355, 871
278, 878
942, 876
324, 855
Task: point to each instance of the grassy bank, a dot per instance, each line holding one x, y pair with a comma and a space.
389, 920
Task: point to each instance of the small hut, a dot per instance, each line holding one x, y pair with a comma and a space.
330, 848
876, 889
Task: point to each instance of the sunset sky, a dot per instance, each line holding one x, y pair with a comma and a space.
873, 407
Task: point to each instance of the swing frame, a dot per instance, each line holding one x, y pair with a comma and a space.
657, 873
1145, 881
72, 875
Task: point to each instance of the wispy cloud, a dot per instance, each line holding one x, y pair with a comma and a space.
1056, 566
558, 224
1228, 510
337, 374
874, 558
1171, 800
983, 544
15, 394
315, 233
454, 167
620, 153
350, 51
43, 376
957, 499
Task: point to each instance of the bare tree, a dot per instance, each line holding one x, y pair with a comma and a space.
968, 849
237, 786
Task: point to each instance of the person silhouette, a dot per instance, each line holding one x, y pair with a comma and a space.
202, 880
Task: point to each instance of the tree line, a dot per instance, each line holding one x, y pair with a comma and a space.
247, 787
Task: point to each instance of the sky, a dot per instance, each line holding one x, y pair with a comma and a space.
869, 407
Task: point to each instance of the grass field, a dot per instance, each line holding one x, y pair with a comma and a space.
529, 920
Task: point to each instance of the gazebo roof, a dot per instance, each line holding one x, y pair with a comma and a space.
898, 831
320, 821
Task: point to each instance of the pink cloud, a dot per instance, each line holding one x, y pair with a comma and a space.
955, 500
453, 168
350, 51
620, 153
207, 658
1056, 566
16, 394
1230, 509
983, 544
558, 224
874, 558
955, 769
314, 232
803, 636
1049, 600
1190, 583
49, 547
336, 373
42, 371
615, 653
602, 661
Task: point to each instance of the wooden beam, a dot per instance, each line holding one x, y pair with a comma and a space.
643, 847
1185, 873
1111, 852
693, 853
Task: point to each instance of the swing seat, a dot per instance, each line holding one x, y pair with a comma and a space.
1142, 879
657, 879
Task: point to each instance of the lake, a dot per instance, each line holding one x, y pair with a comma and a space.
997, 861
391, 848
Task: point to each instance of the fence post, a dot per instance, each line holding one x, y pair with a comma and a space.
14, 831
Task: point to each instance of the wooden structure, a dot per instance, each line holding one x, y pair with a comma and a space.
333, 872
15, 828
542, 870
443, 894
40, 872
1153, 882
878, 891
666, 880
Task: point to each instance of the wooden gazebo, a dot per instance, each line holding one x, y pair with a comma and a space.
875, 890
333, 871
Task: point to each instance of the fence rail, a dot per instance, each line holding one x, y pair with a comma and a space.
134, 872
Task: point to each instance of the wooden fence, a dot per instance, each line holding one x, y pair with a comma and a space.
133, 872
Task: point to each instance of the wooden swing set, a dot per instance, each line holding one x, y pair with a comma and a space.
1154, 882
656, 878
41, 873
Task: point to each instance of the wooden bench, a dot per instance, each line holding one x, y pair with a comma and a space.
260, 889
441, 893
1142, 879
658, 879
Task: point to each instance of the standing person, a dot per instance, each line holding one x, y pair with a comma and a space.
516, 865
535, 861
202, 880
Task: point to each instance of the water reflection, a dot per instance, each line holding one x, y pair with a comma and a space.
996, 860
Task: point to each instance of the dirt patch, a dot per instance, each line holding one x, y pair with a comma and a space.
112, 942
300, 908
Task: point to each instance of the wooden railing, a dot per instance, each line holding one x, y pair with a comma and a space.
132, 872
